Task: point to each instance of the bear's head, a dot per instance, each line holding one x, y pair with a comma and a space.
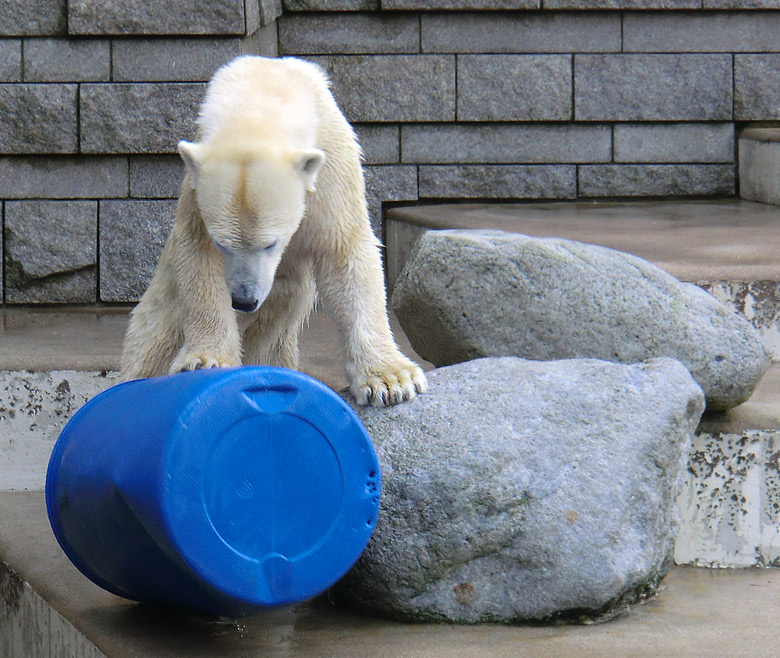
251, 198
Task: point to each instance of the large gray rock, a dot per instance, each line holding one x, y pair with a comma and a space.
519, 490
469, 294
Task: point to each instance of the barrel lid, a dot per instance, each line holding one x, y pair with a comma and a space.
271, 486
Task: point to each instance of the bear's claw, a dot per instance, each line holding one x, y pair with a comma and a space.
189, 362
398, 383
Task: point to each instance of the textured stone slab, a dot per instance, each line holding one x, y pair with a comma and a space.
138, 118
622, 4
66, 60
652, 87
51, 251
460, 5
33, 17
35, 408
468, 294
676, 142
532, 144
38, 118
759, 165
498, 181
144, 17
388, 183
156, 176
381, 143
132, 236
388, 88
520, 33
260, 13
331, 5
757, 87
657, 180
514, 87
316, 34
63, 177
482, 521
730, 504
170, 60
10, 60
701, 32
741, 4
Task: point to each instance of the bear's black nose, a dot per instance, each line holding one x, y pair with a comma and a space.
244, 304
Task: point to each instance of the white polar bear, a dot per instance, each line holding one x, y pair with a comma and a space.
253, 234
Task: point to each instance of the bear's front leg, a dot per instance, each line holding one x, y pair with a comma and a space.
205, 316
353, 287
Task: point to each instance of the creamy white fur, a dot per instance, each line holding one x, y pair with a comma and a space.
272, 211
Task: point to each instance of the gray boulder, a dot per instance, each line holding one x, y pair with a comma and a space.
521, 490
470, 294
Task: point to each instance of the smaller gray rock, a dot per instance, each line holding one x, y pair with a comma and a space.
470, 294
521, 490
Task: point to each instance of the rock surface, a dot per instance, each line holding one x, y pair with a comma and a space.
470, 294
520, 490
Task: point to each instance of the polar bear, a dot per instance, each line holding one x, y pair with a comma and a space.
272, 213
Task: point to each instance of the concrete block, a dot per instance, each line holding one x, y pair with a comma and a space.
315, 34
622, 4
156, 176
757, 87
38, 118
67, 60
138, 118
759, 165
171, 60
656, 180
50, 252
514, 87
652, 87
10, 60
674, 142
36, 406
498, 181
389, 183
729, 502
132, 236
331, 5
389, 88
26, 18
460, 5
381, 143
519, 32
701, 32
505, 143
63, 177
143, 17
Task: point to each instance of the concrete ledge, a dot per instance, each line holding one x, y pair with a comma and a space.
698, 613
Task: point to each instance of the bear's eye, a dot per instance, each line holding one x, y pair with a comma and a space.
268, 247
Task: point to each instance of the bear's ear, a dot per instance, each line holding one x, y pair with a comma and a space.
308, 164
192, 154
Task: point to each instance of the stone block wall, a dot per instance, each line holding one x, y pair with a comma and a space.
452, 99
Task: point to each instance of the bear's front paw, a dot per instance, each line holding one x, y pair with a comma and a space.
199, 361
389, 384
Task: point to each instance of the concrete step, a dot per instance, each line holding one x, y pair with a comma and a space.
729, 247
47, 609
730, 505
759, 164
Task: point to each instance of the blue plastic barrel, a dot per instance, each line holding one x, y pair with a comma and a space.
224, 491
